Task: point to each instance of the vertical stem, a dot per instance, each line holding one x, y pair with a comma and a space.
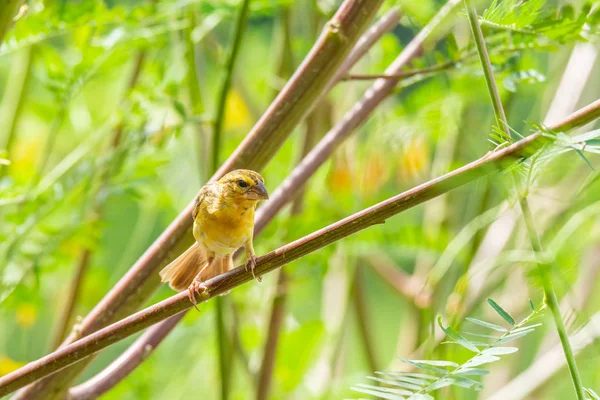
360, 306
194, 94
19, 97
221, 102
222, 336
275, 323
223, 348
536, 244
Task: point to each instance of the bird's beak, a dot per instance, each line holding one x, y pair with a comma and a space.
260, 191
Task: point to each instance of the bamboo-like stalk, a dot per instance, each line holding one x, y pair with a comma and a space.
376, 214
222, 333
536, 244
149, 340
303, 91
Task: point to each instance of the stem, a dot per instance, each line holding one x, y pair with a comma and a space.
142, 271
360, 306
275, 324
21, 83
7, 13
301, 93
550, 296
223, 342
536, 244
223, 348
222, 99
357, 222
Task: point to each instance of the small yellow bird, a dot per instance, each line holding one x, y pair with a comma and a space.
223, 222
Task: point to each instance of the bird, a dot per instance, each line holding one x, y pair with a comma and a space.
223, 217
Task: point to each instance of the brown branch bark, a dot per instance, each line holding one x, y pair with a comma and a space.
123, 366
302, 92
377, 214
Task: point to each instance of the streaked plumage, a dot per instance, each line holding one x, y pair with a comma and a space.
223, 222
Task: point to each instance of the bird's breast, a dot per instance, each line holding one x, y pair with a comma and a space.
225, 230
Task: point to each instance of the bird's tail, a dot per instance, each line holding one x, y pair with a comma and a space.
180, 273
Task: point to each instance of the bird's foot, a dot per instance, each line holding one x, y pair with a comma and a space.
251, 265
196, 287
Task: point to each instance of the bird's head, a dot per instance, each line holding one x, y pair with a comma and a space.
244, 184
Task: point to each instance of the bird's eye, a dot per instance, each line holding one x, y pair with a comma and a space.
242, 183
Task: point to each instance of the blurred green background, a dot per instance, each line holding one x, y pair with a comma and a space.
66, 69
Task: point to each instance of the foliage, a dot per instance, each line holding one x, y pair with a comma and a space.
438, 374
65, 79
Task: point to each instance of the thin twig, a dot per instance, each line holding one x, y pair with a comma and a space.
403, 74
302, 92
376, 214
536, 244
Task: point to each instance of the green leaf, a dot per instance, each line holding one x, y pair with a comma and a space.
441, 383
457, 337
592, 394
531, 305
472, 371
409, 374
480, 359
494, 351
506, 316
487, 324
375, 391
580, 153
399, 383
513, 336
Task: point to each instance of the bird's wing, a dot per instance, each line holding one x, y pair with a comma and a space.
199, 200
207, 200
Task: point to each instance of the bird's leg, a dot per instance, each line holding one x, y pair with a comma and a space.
251, 259
198, 285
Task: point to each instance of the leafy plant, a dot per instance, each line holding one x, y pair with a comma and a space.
437, 374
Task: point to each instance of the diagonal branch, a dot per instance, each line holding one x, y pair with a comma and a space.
302, 92
142, 347
373, 215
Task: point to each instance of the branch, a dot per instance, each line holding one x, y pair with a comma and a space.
301, 93
149, 340
373, 215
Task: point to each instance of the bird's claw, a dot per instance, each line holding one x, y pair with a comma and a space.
251, 265
196, 287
